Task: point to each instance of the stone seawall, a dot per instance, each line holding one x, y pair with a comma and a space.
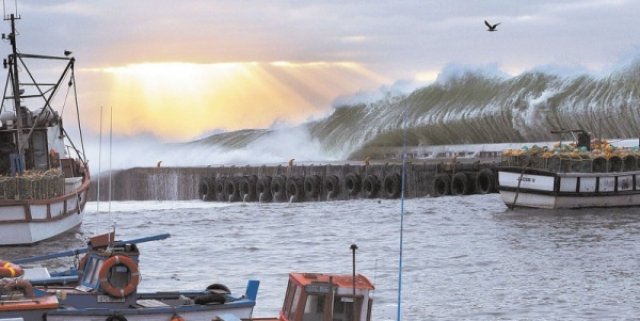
296, 183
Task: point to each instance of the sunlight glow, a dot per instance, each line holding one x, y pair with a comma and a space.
184, 100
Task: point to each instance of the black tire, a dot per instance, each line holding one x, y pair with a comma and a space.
210, 298
295, 189
485, 182
312, 186
247, 187
231, 190
371, 186
219, 287
211, 190
460, 184
332, 186
219, 189
263, 189
116, 317
352, 184
392, 186
441, 185
278, 188
203, 188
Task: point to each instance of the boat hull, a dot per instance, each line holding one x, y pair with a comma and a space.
31, 221
551, 190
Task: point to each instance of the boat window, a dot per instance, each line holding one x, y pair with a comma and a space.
294, 302
343, 308
288, 297
94, 275
314, 308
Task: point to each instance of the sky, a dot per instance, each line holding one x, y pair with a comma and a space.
177, 70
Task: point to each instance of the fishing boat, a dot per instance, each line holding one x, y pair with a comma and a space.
105, 287
44, 177
319, 296
582, 173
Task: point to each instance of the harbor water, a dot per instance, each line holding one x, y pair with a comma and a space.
464, 258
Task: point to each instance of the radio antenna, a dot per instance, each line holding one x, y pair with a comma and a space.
4, 10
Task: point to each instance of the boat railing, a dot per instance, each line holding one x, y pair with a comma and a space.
574, 163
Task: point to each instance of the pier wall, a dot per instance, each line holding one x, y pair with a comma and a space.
296, 183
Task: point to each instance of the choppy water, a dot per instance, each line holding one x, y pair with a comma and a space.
465, 258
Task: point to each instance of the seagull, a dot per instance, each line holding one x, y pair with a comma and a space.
491, 27
67, 53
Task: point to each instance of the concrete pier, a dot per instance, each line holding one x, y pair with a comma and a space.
298, 183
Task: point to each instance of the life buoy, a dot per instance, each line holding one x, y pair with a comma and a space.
352, 184
331, 186
247, 188
441, 185
263, 189
392, 185
371, 186
312, 186
220, 196
104, 276
295, 189
10, 270
460, 184
485, 182
278, 188
231, 190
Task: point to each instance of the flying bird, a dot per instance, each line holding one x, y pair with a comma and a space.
67, 53
490, 26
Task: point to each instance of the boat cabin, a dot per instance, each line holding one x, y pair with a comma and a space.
113, 270
327, 297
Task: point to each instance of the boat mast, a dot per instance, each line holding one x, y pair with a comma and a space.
15, 84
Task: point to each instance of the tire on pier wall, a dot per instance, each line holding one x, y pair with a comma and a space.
332, 187
392, 185
247, 188
219, 189
295, 189
460, 184
599, 165
312, 187
231, 190
205, 188
371, 186
615, 164
263, 189
630, 163
279, 188
352, 184
486, 181
441, 185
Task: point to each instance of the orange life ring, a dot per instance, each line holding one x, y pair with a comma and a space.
10, 270
177, 318
106, 285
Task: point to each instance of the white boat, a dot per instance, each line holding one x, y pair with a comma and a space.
578, 175
44, 177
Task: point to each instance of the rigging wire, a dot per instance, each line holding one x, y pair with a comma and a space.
402, 188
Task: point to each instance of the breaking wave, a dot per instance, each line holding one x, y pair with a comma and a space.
461, 107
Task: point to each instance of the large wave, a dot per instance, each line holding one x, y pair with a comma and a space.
462, 107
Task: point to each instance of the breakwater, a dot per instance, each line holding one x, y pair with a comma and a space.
298, 183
